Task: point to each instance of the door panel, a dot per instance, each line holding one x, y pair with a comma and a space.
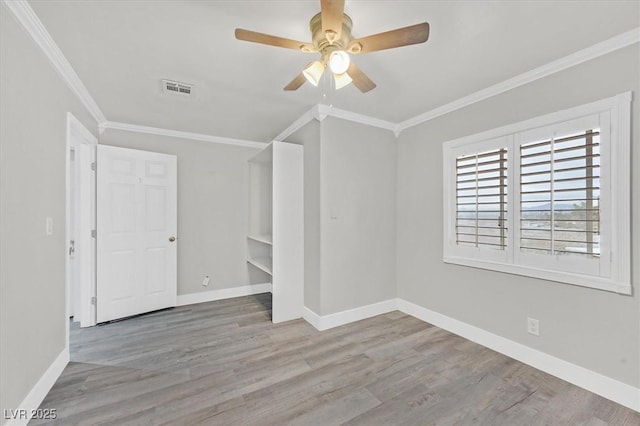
122, 207
137, 214
122, 274
156, 273
156, 200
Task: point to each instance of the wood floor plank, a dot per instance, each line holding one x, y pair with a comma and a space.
225, 363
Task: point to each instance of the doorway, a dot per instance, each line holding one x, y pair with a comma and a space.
80, 223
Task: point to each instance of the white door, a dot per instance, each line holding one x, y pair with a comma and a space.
136, 232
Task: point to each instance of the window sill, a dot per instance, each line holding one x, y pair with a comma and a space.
589, 281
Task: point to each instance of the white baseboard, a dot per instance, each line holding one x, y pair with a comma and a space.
311, 317
345, 317
224, 293
604, 386
37, 394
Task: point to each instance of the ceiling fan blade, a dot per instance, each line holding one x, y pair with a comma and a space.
360, 79
296, 82
413, 34
270, 40
331, 16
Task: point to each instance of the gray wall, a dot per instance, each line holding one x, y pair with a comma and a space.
33, 102
595, 329
357, 215
349, 213
309, 137
213, 207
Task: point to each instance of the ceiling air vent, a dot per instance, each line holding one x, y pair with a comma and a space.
176, 88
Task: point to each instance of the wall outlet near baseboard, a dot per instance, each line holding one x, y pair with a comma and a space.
533, 326
205, 281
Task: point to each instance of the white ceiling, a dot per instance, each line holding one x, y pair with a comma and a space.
122, 49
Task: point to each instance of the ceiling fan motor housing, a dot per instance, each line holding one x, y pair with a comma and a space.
319, 38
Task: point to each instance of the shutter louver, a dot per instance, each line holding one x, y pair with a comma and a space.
559, 195
481, 200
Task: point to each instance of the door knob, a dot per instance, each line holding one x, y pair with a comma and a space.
172, 239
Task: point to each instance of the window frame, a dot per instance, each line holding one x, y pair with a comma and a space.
614, 271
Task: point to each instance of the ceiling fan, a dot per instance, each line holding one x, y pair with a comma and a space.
332, 39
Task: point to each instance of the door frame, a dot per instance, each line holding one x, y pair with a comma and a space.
84, 143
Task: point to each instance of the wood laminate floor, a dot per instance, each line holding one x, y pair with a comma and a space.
225, 363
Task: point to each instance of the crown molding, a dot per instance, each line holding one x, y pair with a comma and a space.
34, 27
312, 114
112, 125
331, 111
321, 111
599, 49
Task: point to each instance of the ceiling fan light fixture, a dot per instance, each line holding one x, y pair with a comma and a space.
339, 61
341, 80
331, 38
313, 72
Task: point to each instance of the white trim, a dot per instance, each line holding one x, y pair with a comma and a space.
321, 111
618, 259
334, 112
582, 280
32, 24
299, 123
34, 27
178, 134
612, 44
599, 384
37, 394
224, 293
77, 135
609, 388
621, 189
67, 228
599, 49
544, 120
311, 317
326, 322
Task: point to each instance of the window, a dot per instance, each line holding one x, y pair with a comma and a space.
559, 195
481, 207
547, 198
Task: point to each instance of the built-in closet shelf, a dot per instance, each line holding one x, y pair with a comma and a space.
262, 263
266, 239
276, 225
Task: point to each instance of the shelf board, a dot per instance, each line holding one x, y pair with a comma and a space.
264, 238
262, 263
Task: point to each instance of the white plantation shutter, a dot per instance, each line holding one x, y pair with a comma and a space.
547, 197
560, 195
481, 199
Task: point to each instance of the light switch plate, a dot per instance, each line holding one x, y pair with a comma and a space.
49, 226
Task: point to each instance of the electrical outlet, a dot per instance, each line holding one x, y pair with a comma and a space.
205, 281
533, 326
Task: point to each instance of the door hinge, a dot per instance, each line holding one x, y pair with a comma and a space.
93, 300
93, 166
93, 233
